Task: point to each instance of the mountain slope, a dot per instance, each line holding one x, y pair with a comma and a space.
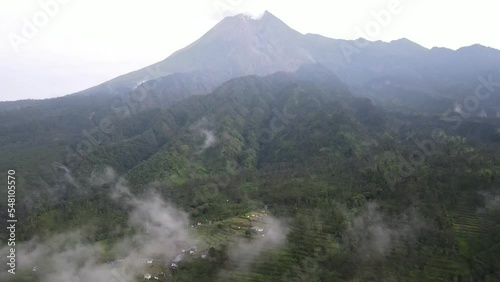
236, 46
310, 151
399, 74
369, 194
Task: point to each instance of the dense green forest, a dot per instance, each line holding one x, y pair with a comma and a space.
367, 194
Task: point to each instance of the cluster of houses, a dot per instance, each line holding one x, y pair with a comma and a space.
148, 276
191, 251
201, 223
257, 216
256, 229
146, 261
177, 260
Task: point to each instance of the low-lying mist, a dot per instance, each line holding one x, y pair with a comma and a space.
160, 231
155, 229
372, 234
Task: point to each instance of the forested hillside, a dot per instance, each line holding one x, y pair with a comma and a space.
366, 194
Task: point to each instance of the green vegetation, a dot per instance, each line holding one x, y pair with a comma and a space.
307, 149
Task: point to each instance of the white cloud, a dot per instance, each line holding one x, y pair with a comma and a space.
373, 234
210, 139
161, 230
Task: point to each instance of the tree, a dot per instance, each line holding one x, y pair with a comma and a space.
211, 252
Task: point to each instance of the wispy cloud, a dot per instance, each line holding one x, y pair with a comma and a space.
210, 138
372, 234
491, 202
244, 252
160, 230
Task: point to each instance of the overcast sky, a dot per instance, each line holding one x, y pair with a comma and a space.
76, 44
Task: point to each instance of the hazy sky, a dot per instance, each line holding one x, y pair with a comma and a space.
50, 48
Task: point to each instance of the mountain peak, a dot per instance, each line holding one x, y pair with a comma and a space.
267, 16
245, 27
405, 42
266, 20
475, 47
269, 20
243, 45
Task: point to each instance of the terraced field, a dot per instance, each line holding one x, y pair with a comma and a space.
211, 236
226, 231
314, 245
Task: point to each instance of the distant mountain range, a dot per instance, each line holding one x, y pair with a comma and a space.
400, 74
376, 155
